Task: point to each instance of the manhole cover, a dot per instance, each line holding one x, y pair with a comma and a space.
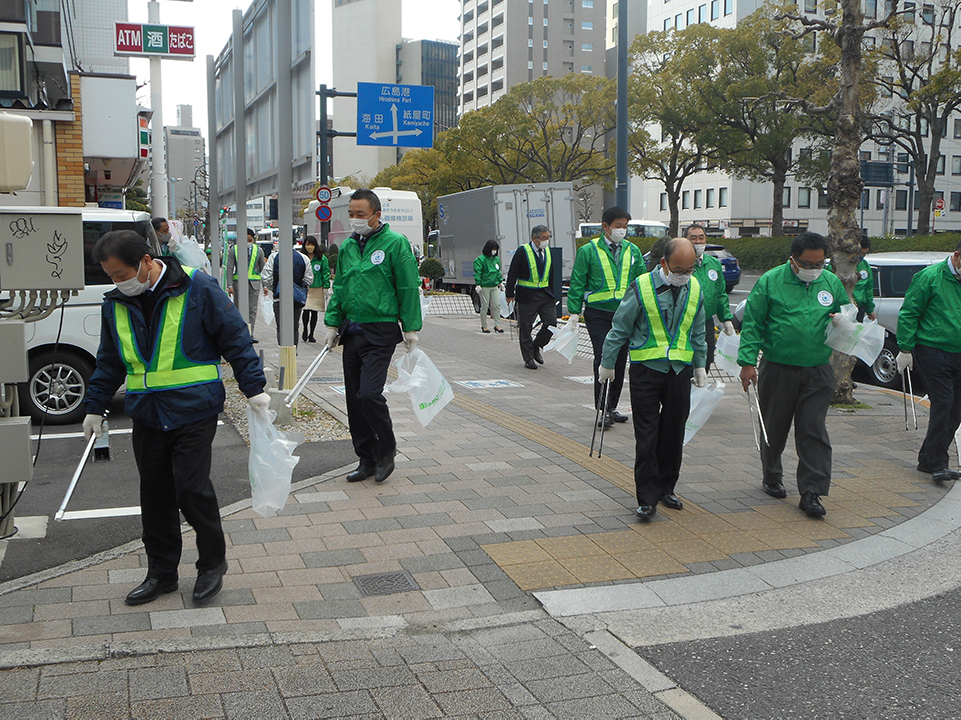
327, 379
385, 583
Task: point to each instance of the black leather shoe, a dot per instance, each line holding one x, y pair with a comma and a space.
605, 421
209, 583
485, 330
530, 365
811, 505
945, 475
149, 590
498, 330
362, 472
311, 339
672, 501
775, 490
384, 468
645, 512
538, 357
618, 417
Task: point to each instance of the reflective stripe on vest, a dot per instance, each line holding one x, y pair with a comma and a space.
169, 367
658, 346
537, 282
251, 266
612, 290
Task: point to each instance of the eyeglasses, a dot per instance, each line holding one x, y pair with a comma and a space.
682, 271
810, 265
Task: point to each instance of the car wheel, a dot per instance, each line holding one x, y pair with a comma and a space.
884, 371
730, 286
56, 388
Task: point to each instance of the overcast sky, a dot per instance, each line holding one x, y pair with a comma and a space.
184, 83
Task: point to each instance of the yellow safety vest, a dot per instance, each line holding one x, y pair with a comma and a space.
660, 345
252, 266
168, 367
612, 290
536, 281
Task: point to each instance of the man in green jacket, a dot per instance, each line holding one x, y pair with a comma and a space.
710, 274
376, 295
786, 315
603, 270
662, 317
929, 334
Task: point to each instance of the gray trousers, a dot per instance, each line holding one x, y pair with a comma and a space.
253, 301
803, 395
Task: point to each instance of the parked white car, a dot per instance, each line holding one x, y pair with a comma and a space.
893, 273
60, 368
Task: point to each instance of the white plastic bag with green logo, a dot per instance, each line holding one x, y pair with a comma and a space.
725, 354
272, 461
846, 335
703, 402
429, 391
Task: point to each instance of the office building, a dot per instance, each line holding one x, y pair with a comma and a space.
186, 157
433, 63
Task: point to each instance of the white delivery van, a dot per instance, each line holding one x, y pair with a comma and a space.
58, 380
401, 209
635, 229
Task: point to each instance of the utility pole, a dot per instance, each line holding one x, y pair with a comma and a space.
158, 178
620, 194
325, 135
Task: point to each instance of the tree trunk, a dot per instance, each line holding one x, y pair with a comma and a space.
926, 195
777, 207
844, 178
673, 198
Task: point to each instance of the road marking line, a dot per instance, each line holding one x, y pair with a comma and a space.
66, 436
101, 513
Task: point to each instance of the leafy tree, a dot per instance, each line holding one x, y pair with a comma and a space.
136, 198
920, 68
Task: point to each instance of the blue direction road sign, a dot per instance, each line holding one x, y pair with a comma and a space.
396, 115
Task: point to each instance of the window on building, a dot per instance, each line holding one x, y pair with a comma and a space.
587, 47
865, 203
809, 42
956, 165
939, 169
679, 22
865, 156
870, 8
587, 3
697, 199
909, 14
11, 64
709, 198
663, 204
690, 17
530, 21
686, 200
955, 202
715, 9
587, 68
722, 197
822, 199
804, 197
879, 200
923, 126
667, 23
530, 64
957, 129
887, 86
902, 166
545, 44
810, 6
901, 200
786, 197
545, 67
587, 25
728, 7
702, 13
530, 43
545, 22
927, 14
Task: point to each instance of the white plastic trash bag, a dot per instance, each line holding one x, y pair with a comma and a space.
429, 391
725, 354
271, 462
424, 304
187, 250
564, 341
703, 402
267, 309
506, 307
846, 335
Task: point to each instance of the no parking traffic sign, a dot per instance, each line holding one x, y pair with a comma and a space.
323, 213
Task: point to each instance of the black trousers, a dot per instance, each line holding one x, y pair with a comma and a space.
803, 395
711, 340
297, 313
174, 470
660, 404
598, 324
544, 306
365, 372
942, 376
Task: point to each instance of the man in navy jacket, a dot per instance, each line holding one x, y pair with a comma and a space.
163, 331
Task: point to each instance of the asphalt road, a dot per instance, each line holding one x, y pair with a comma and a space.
115, 483
900, 663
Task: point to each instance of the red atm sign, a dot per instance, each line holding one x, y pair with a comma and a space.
154, 41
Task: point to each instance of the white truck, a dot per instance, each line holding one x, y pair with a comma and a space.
505, 213
401, 209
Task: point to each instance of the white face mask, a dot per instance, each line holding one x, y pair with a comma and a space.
360, 226
541, 245
675, 279
699, 250
493, 253
618, 234
806, 275
133, 286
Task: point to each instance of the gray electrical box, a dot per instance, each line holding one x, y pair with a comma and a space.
41, 248
15, 449
13, 351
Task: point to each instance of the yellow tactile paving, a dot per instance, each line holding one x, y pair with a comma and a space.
537, 575
622, 542
814, 530
692, 551
782, 539
651, 564
596, 568
733, 543
516, 553
569, 547
844, 519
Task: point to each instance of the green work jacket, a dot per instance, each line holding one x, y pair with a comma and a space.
487, 271
786, 318
931, 312
632, 325
378, 284
594, 267
320, 266
864, 289
710, 274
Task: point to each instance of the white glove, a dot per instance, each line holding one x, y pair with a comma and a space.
92, 425
727, 327
604, 373
700, 377
410, 341
501, 287
330, 339
836, 319
259, 402
572, 322
904, 360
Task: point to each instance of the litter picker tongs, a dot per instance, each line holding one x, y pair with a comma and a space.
906, 379
752, 406
305, 378
58, 517
600, 418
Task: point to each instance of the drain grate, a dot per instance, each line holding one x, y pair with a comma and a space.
385, 583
